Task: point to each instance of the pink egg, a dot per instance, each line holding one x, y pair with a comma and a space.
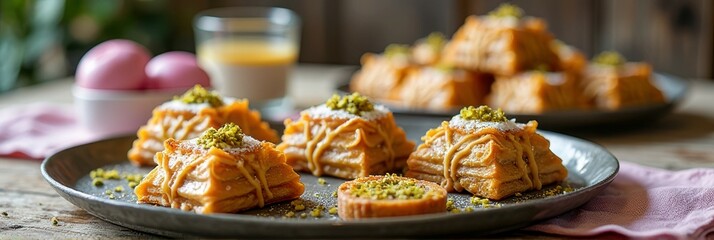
175, 70
115, 64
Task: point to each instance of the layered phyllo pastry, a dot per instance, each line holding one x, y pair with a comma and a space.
347, 137
536, 92
427, 51
502, 42
188, 116
612, 83
456, 88
571, 59
388, 196
222, 171
482, 152
382, 74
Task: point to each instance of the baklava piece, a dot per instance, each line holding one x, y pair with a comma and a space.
382, 74
346, 137
536, 92
503, 43
188, 116
443, 88
222, 171
388, 196
482, 152
611, 83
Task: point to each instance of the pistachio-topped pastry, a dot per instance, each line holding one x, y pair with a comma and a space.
355, 103
610, 58
389, 196
483, 113
507, 10
228, 136
198, 94
390, 186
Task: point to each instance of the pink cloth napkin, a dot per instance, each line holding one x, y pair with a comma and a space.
645, 202
37, 130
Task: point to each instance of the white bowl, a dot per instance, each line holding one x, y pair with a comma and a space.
114, 112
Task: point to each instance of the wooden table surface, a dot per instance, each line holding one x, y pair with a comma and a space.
682, 139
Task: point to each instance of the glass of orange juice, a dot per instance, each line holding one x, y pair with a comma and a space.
248, 51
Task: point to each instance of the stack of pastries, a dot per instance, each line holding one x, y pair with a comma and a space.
505, 60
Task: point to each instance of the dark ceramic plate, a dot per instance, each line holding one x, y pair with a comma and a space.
591, 169
674, 89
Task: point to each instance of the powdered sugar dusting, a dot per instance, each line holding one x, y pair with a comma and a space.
473, 125
322, 111
178, 105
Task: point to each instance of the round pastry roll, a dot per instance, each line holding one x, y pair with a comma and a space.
388, 196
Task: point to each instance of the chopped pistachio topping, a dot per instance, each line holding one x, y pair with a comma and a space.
436, 40
333, 210
55, 221
198, 94
483, 113
393, 50
389, 187
507, 10
303, 215
321, 181
119, 189
290, 214
450, 204
611, 58
229, 135
334, 194
299, 207
354, 103
133, 185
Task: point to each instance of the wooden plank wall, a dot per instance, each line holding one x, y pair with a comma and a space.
675, 36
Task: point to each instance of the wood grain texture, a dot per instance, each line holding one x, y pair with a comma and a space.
30, 204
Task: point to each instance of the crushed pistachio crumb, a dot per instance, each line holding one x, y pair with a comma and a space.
55, 221
112, 174
321, 181
450, 204
119, 189
229, 135
354, 103
389, 186
299, 207
111, 196
507, 10
468, 209
97, 173
334, 194
198, 94
133, 185
455, 210
316, 212
107, 192
394, 50
303, 215
610, 58
290, 214
97, 182
333, 210
483, 113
